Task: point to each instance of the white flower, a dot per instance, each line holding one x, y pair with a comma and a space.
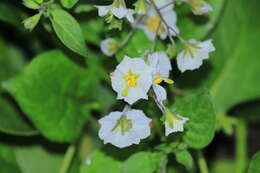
193, 55
125, 128
173, 122
152, 22
109, 46
132, 79
118, 9
161, 67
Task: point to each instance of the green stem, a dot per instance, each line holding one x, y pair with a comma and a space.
202, 162
67, 159
241, 146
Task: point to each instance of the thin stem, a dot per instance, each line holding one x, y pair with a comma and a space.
67, 159
241, 146
202, 162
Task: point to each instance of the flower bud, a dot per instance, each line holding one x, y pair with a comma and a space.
141, 7
109, 46
31, 4
31, 22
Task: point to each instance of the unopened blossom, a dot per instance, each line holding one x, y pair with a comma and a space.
193, 54
132, 79
173, 122
152, 23
109, 46
117, 9
125, 128
161, 67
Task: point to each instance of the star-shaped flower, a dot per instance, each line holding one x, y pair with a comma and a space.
193, 54
132, 79
125, 128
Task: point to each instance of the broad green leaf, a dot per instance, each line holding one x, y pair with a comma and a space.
28, 158
12, 121
52, 91
254, 166
7, 160
68, 30
32, 159
232, 75
200, 128
198, 26
185, 158
145, 162
99, 162
68, 3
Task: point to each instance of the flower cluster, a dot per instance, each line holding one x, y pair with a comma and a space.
140, 77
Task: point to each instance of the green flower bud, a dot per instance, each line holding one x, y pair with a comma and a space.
171, 51
140, 7
31, 22
31, 4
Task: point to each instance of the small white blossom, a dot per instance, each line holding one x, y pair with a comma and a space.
118, 9
152, 23
132, 79
109, 46
193, 55
161, 67
173, 122
125, 128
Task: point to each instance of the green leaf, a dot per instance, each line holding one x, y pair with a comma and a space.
145, 162
254, 166
12, 121
7, 160
68, 30
185, 158
36, 158
68, 3
28, 158
52, 91
200, 128
99, 162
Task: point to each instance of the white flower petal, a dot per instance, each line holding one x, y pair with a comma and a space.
143, 83
187, 62
139, 128
160, 93
102, 10
177, 125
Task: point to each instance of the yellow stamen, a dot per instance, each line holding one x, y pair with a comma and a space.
130, 81
158, 79
153, 23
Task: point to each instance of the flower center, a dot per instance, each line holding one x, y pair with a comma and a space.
158, 79
153, 23
130, 81
123, 125
191, 49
